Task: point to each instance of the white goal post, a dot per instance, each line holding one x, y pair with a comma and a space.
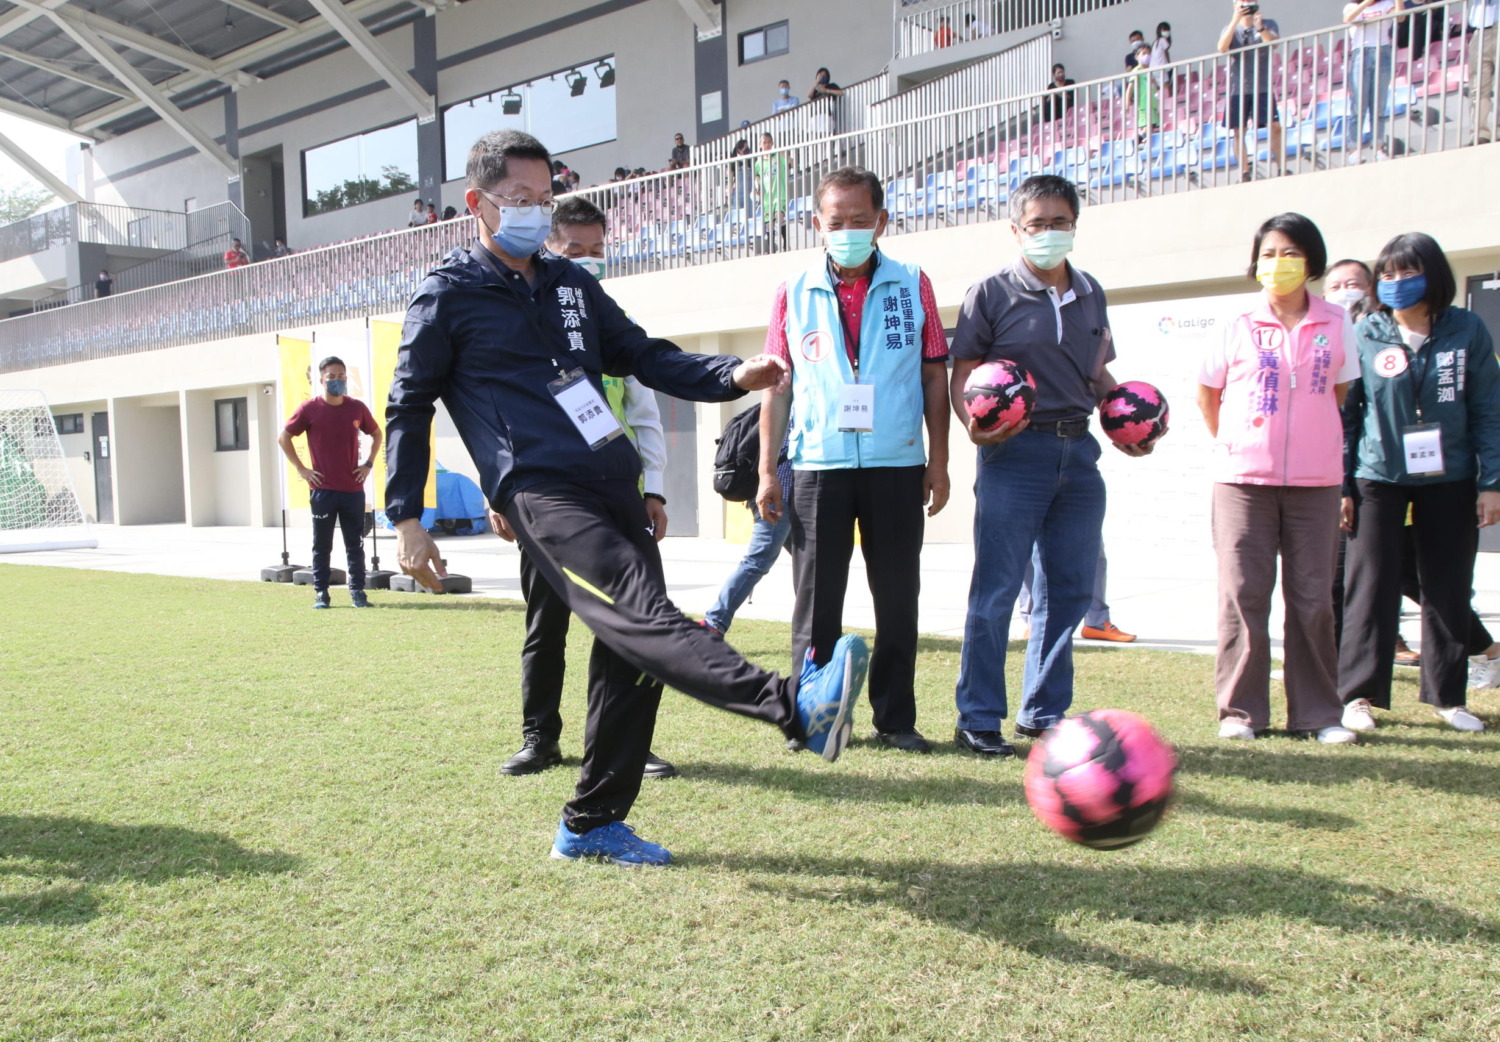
39, 508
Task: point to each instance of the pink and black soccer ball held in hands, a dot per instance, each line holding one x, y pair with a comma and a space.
1134, 413
1102, 778
999, 392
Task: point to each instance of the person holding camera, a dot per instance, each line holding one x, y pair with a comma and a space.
1250, 83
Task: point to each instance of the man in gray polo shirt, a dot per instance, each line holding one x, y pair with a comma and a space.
1038, 483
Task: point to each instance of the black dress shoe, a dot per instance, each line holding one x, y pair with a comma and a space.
536, 754
985, 743
656, 767
906, 741
1029, 732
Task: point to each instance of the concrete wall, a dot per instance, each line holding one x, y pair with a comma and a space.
146, 450
116, 178
78, 451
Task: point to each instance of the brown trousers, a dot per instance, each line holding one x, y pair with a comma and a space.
1252, 524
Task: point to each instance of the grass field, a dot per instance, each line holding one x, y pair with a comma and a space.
225, 816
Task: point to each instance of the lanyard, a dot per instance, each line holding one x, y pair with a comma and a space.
851, 334
1418, 372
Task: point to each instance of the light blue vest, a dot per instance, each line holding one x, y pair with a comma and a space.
890, 358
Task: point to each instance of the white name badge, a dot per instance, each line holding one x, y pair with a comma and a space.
586, 407
857, 408
1423, 445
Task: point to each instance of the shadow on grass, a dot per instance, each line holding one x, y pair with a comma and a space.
1021, 903
70, 854
1363, 764
1005, 789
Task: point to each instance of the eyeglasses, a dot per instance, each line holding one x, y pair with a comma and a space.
524, 206
1062, 224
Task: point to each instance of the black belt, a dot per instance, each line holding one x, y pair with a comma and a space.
1076, 428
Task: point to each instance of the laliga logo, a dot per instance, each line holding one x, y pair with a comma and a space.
817, 346
1165, 325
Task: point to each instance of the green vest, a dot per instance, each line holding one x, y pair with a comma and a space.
614, 395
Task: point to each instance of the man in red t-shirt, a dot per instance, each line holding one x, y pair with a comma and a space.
333, 422
235, 256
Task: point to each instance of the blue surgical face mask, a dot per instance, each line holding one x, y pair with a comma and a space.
785, 91
1400, 294
336, 387
595, 266
520, 235
1047, 249
850, 247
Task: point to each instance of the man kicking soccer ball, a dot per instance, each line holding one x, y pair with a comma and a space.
515, 345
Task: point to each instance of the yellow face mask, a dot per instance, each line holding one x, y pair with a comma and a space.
1281, 275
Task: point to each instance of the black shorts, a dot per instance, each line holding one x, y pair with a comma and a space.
1246, 107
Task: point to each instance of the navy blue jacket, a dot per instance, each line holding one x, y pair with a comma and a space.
488, 346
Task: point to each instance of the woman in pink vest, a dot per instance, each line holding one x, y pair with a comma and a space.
1270, 393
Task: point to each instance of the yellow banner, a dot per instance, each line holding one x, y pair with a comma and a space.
296, 388
385, 338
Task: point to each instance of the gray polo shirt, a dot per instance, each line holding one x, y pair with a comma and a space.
1065, 344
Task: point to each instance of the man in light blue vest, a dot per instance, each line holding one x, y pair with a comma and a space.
868, 356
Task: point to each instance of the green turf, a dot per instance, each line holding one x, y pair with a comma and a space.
225, 816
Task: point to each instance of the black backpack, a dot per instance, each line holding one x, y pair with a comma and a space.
737, 461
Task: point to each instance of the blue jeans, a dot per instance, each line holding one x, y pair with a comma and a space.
766, 541
1370, 87
345, 510
1034, 490
1098, 613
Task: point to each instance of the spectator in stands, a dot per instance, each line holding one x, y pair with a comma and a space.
1140, 95
1422, 430
1371, 53
620, 174
104, 283
1483, 27
449, 213
279, 248
432, 217
740, 176
824, 87
1250, 99
1056, 108
784, 99
680, 153
975, 28
772, 191
943, 37
857, 447
235, 256
1270, 391
418, 216
1136, 39
1161, 55
1038, 486
578, 235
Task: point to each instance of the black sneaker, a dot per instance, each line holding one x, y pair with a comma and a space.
1022, 731
320, 600
537, 753
990, 744
656, 767
906, 741
358, 599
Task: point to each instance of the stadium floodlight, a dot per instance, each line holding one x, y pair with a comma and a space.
39, 508
606, 73
577, 81
510, 103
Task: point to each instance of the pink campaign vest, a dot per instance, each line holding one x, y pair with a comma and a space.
1279, 421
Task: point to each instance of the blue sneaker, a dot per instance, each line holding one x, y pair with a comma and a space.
321, 599
358, 599
826, 697
616, 843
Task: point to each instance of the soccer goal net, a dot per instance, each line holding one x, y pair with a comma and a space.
39, 508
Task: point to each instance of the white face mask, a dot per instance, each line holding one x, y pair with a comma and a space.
1348, 296
593, 265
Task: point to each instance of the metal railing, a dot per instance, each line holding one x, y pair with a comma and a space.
943, 170
37, 233
922, 28
808, 121
1009, 74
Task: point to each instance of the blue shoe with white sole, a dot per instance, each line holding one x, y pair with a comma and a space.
826, 697
616, 843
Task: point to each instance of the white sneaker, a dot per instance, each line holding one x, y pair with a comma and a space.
1484, 672
1460, 719
1359, 715
1336, 736
1235, 729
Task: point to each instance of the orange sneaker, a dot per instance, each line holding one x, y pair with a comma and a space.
1109, 631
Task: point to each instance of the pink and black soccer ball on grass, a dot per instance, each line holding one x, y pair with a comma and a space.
1101, 778
1134, 413
999, 392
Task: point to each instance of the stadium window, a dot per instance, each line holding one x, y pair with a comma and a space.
231, 431
570, 108
69, 423
769, 41
360, 169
